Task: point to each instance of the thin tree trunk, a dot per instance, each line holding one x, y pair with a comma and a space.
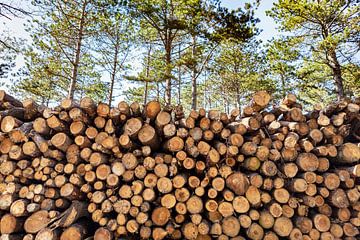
193, 76
210, 92
113, 74
224, 104
157, 91
146, 92
168, 74
179, 78
164, 98
223, 98
238, 97
236, 70
227, 104
336, 68
48, 97
283, 91
147, 75
205, 90
77, 54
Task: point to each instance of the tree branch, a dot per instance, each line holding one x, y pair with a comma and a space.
8, 46
11, 10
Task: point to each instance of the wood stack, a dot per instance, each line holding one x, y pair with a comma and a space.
85, 169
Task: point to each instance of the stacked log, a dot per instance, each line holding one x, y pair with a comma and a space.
85, 169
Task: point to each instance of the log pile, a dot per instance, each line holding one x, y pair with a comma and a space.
84, 170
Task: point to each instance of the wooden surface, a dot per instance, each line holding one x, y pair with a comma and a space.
85, 170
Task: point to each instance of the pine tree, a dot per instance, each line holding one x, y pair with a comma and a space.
62, 37
114, 43
238, 70
328, 30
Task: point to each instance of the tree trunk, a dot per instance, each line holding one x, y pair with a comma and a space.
227, 105
238, 97
113, 74
223, 99
146, 92
336, 68
48, 97
283, 90
77, 54
193, 76
157, 91
147, 75
236, 70
205, 91
168, 73
179, 78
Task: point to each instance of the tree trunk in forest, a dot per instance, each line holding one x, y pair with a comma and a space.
113, 74
157, 91
227, 105
77, 54
210, 99
223, 99
179, 78
283, 90
205, 91
336, 68
147, 75
47, 101
193, 76
168, 74
238, 98
236, 70
146, 92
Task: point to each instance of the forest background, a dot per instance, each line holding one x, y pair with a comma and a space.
199, 53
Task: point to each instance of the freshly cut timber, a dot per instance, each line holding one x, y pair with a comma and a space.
85, 170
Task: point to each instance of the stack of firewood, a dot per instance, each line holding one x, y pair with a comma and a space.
84, 170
